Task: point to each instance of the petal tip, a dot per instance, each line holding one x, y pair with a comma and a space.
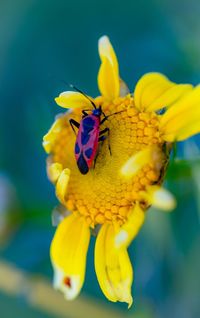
160, 198
104, 40
69, 285
130, 302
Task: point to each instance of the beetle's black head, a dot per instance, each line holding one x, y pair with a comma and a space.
97, 112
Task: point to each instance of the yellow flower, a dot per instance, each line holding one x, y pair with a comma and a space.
115, 194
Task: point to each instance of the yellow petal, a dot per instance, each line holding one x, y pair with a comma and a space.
154, 91
181, 121
170, 96
130, 229
137, 161
189, 130
108, 77
113, 267
50, 137
54, 170
73, 100
68, 255
159, 197
62, 185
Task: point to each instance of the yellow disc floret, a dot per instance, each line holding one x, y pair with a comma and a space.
104, 195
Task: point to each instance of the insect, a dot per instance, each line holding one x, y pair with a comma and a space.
89, 135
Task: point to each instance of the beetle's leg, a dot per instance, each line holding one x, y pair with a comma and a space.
73, 124
84, 112
102, 132
103, 120
109, 142
95, 159
103, 137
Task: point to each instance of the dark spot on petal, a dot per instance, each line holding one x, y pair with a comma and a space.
67, 281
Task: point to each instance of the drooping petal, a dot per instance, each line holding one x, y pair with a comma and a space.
68, 255
108, 77
130, 229
73, 100
183, 119
54, 171
113, 267
159, 197
50, 137
154, 91
136, 162
62, 185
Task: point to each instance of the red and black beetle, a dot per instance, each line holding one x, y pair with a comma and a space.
89, 134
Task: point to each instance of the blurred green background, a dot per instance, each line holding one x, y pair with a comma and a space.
43, 44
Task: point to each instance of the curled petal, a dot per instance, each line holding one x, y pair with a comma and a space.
154, 91
50, 137
73, 100
130, 229
159, 197
108, 77
136, 162
62, 185
113, 267
183, 119
54, 171
68, 255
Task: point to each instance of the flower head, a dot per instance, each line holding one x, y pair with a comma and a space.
126, 176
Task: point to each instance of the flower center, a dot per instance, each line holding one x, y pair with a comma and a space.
103, 195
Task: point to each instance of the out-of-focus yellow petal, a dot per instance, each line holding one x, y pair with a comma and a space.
62, 185
170, 96
113, 267
136, 162
108, 77
130, 229
159, 197
124, 90
190, 129
73, 100
54, 170
50, 137
68, 255
183, 119
154, 91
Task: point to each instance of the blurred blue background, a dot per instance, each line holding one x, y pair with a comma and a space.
44, 44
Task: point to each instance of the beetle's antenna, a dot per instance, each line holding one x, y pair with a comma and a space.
122, 111
78, 90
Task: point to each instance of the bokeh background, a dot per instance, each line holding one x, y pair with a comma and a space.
44, 44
